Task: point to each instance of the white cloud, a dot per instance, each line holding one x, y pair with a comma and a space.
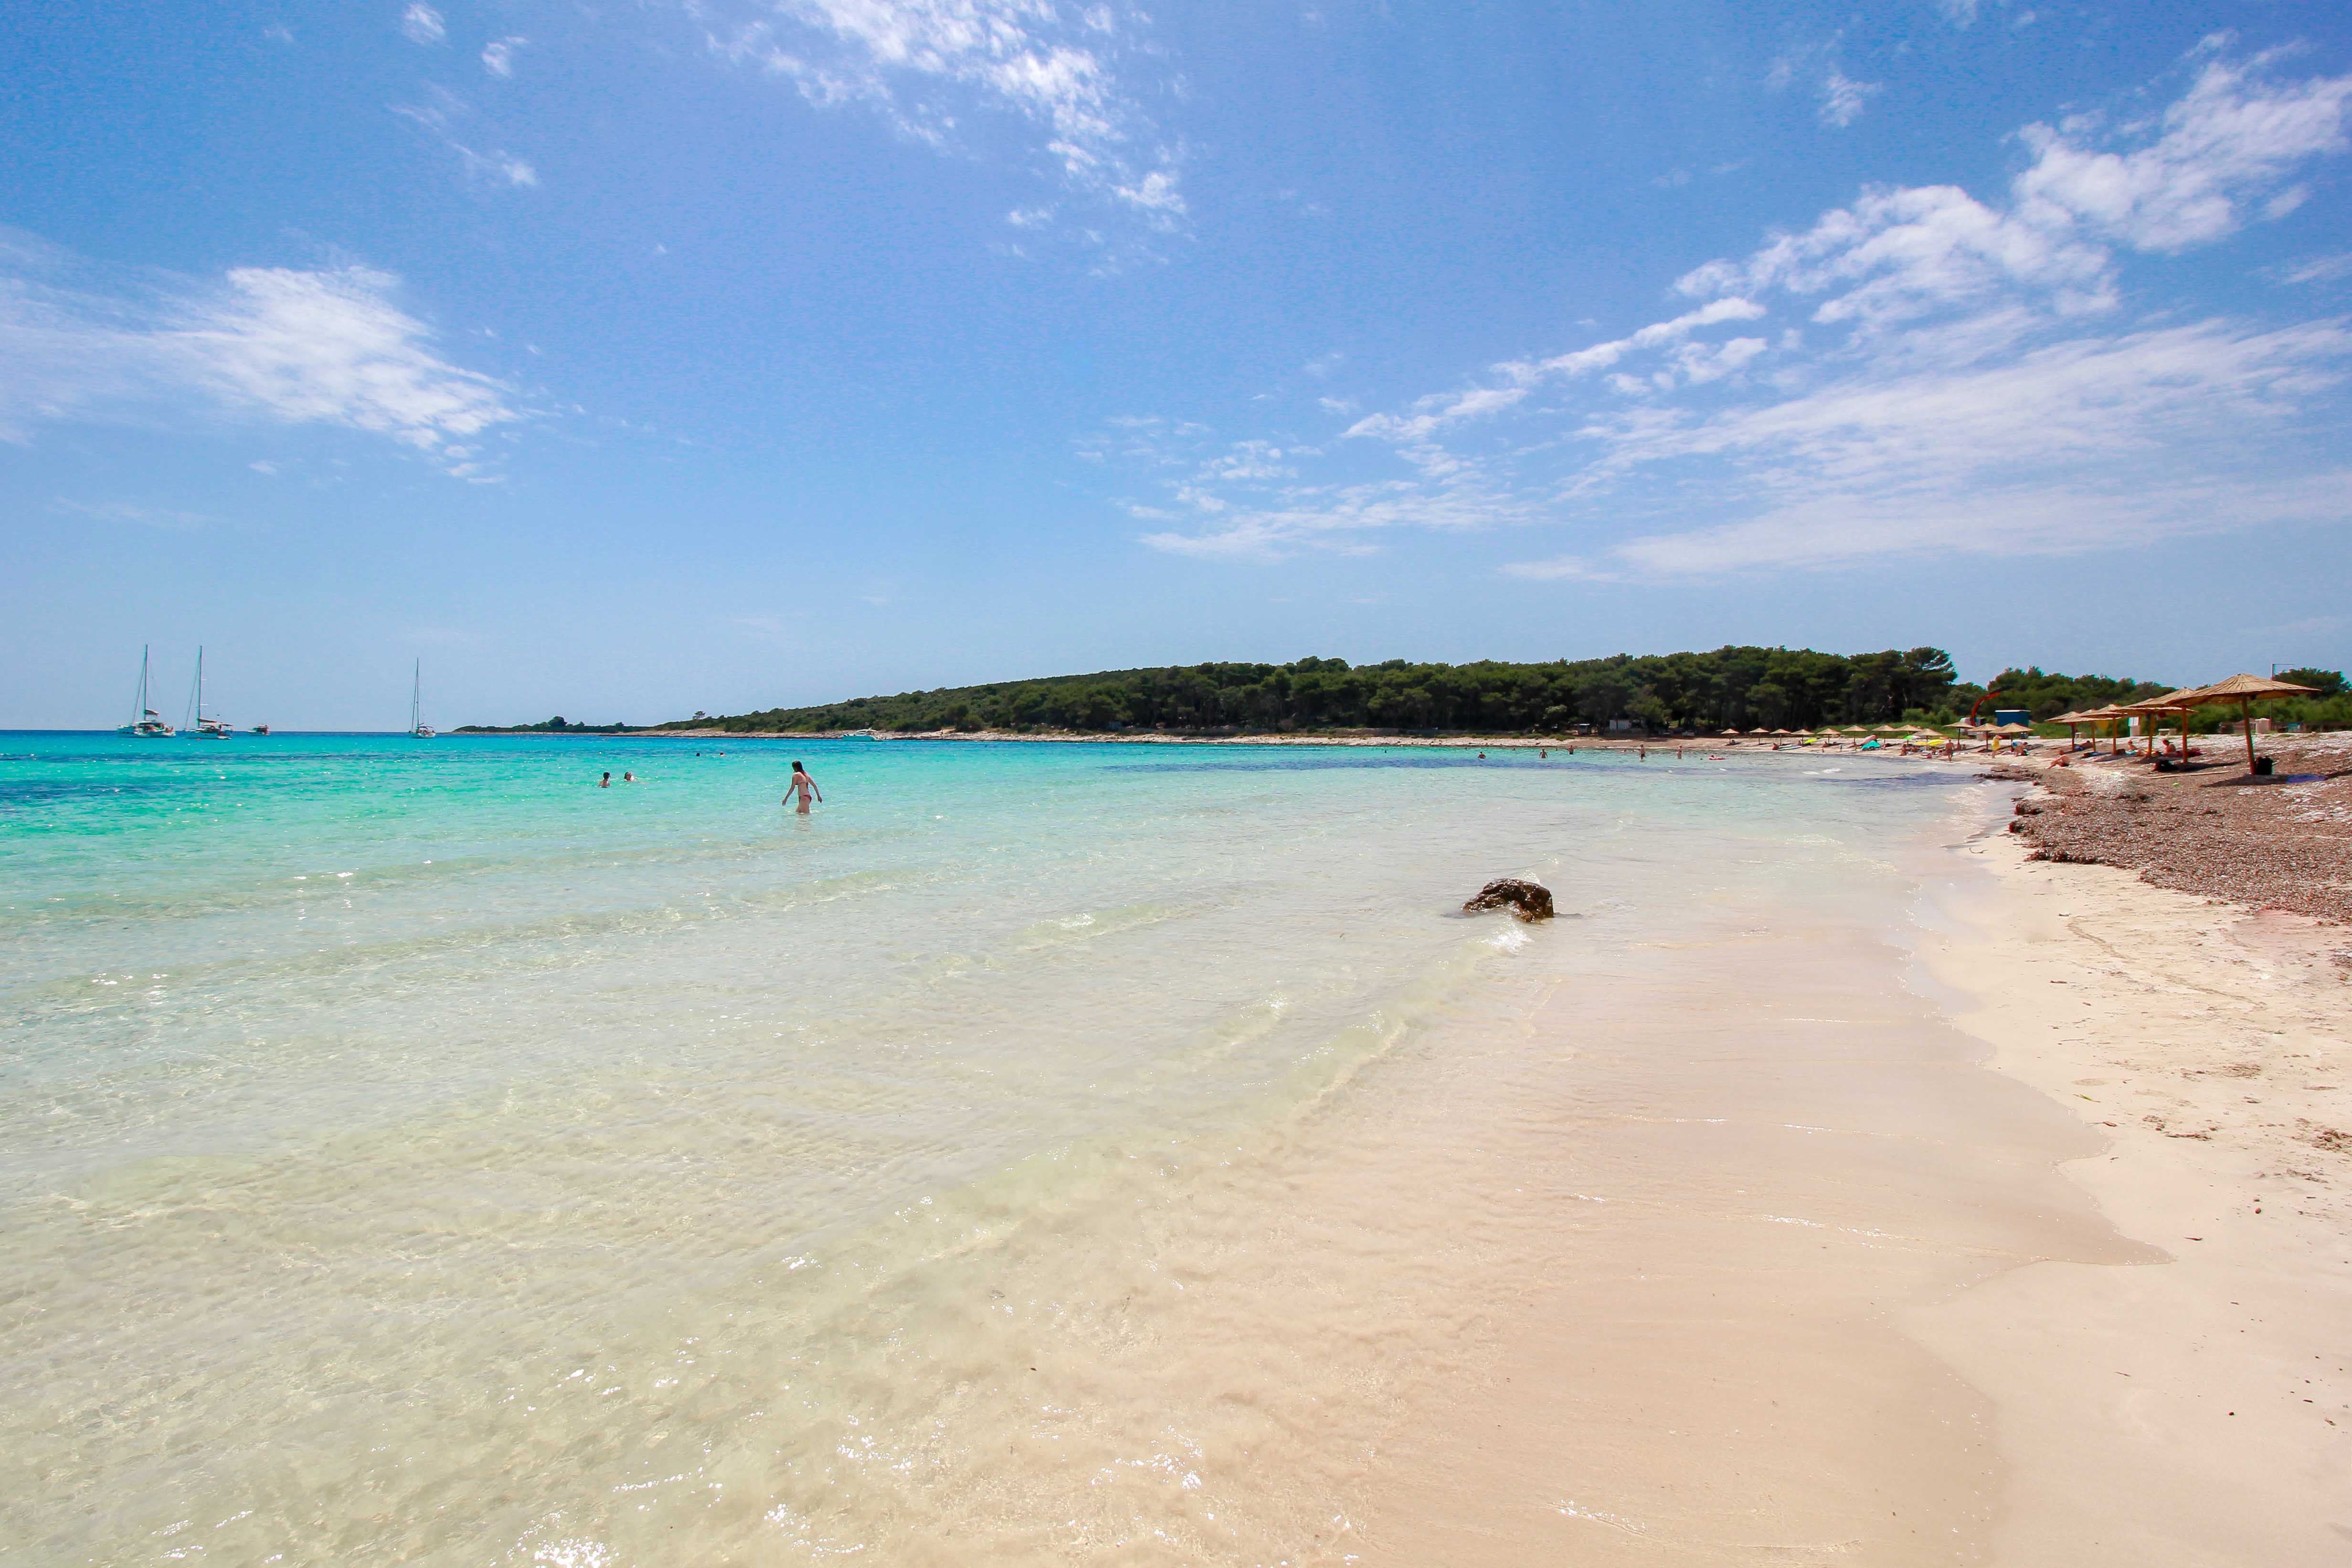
1843, 98
943, 72
2120, 396
1897, 254
1438, 410
497, 59
1839, 530
423, 24
2226, 145
326, 347
1965, 379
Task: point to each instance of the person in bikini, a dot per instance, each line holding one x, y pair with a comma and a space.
805, 787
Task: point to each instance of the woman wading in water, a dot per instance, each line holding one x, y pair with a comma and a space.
803, 787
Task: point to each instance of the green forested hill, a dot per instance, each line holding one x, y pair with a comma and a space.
1731, 687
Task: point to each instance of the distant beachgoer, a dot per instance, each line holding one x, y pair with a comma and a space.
1543, 754
804, 786
1645, 754
1481, 756
626, 778
606, 782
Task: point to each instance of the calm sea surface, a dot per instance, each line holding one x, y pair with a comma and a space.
410, 1152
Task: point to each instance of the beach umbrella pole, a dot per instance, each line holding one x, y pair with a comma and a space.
2246, 713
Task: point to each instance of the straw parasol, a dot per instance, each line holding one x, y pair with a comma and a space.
2156, 708
2109, 714
2246, 690
1759, 729
1857, 729
1729, 735
2070, 719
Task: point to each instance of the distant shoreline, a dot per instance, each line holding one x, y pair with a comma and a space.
1746, 744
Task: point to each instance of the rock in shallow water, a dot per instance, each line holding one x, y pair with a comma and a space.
1528, 900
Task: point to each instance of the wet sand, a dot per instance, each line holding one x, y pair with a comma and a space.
2039, 1256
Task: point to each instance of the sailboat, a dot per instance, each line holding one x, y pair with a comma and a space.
417, 727
216, 729
145, 722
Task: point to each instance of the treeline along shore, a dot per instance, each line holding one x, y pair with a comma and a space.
1775, 686
1729, 687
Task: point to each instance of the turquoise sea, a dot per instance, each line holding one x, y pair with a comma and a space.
411, 1151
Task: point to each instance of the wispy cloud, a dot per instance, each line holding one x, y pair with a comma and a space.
279, 344
1917, 372
943, 72
423, 24
1843, 98
1817, 67
441, 118
498, 56
2318, 269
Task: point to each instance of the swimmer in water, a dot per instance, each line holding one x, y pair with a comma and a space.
626, 778
805, 787
606, 782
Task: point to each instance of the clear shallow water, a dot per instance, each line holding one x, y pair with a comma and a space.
409, 1152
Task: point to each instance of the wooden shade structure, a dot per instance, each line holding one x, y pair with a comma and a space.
2246, 690
2157, 707
2111, 716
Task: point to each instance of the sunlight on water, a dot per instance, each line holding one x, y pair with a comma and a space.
412, 1151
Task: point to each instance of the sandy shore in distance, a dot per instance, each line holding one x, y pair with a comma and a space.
2198, 1409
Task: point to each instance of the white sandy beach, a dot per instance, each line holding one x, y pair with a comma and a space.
2195, 1408
2044, 1262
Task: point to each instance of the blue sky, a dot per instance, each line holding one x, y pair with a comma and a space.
621, 361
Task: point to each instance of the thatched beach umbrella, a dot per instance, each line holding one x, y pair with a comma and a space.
2109, 715
2246, 690
2156, 708
1759, 729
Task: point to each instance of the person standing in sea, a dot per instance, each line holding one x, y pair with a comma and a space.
803, 786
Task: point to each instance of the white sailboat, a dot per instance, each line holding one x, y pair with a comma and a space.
145, 722
216, 728
417, 727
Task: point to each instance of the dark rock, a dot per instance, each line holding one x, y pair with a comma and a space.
1528, 900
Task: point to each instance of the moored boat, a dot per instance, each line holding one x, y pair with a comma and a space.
417, 728
145, 722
